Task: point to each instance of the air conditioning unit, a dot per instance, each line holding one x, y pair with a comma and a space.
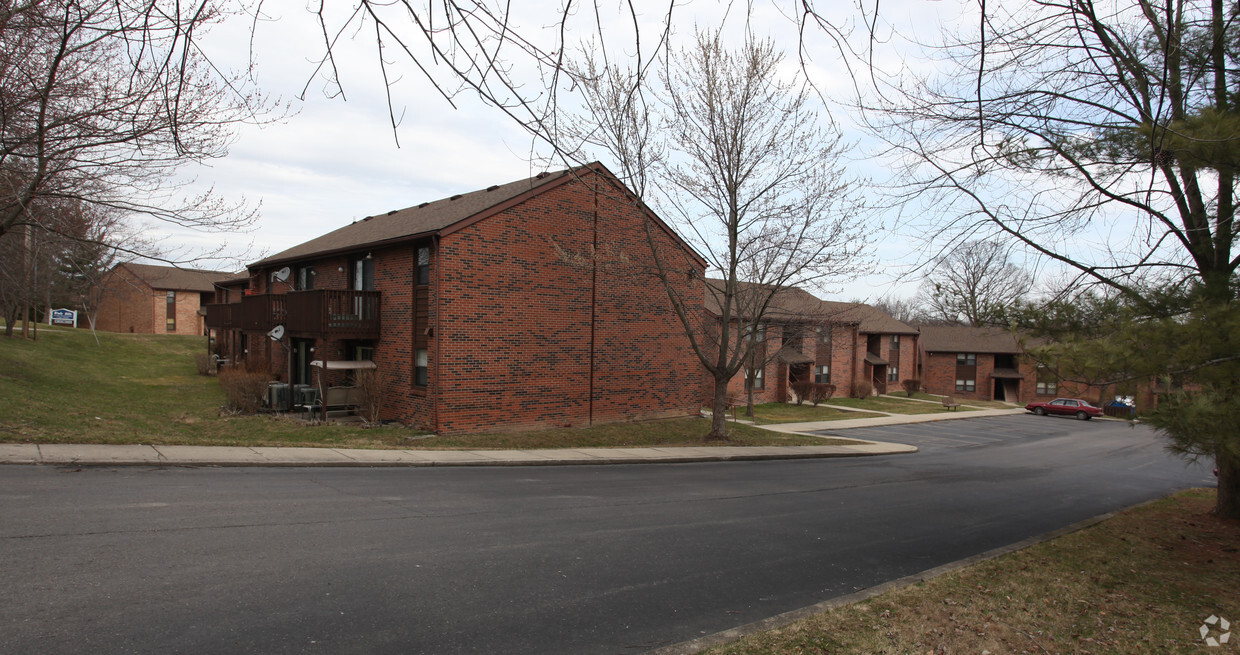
277, 395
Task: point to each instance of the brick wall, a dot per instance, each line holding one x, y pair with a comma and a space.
125, 304
551, 318
128, 304
939, 377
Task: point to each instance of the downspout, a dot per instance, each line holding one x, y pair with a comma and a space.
593, 301
856, 344
433, 389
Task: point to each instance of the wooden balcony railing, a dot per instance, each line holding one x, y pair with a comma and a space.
222, 316
319, 313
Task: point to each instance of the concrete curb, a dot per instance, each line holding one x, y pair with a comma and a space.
146, 455
780, 620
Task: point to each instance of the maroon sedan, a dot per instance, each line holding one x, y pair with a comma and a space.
1065, 407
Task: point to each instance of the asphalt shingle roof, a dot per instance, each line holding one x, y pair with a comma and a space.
176, 279
792, 303
965, 339
425, 218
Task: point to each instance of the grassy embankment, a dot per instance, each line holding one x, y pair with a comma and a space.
1141, 582
63, 388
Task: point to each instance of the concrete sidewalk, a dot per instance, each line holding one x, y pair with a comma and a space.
140, 455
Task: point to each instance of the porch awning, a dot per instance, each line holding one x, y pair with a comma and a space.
344, 365
1007, 374
875, 360
794, 357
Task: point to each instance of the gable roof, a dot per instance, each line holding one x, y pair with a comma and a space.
173, 278
870, 320
965, 339
787, 303
443, 217
794, 303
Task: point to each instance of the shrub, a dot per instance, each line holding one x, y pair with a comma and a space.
243, 390
861, 389
821, 393
205, 364
911, 386
802, 389
371, 383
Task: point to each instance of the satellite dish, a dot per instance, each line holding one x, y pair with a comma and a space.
282, 274
276, 333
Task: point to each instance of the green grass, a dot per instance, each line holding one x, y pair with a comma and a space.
665, 433
1141, 582
893, 405
144, 389
767, 413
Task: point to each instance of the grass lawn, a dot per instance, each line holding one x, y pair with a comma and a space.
788, 413
1141, 582
893, 405
145, 389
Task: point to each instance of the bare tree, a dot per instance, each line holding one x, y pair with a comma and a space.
749, 176
973, 285
905, 310
1102, 136
103, 102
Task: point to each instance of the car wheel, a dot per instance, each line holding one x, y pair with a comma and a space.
1082, 416
1039, 411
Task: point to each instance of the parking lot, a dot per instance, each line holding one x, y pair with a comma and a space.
979, 432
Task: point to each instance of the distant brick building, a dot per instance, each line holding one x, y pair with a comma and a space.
148, 299
528, 304
803, 338
981, 363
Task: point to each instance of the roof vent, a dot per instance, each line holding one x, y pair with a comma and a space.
392, 212
423, 205
541, 175
493, 187
455, 197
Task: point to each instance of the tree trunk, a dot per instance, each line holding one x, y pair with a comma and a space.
719, 413
1228, 504
749, 395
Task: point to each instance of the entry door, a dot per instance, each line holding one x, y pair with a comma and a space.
302, 356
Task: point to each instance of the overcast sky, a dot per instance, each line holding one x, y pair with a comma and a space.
336, 160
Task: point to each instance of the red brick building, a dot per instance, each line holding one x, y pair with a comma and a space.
528, 304
148, 299
803, 338
980, 363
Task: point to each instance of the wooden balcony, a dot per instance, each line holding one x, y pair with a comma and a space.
222, 316
319, 313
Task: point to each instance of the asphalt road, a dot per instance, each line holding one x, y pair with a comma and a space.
590, 559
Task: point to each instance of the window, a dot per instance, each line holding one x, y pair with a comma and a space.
895, 341
759, 379
822, 374
966, 359
419, 369
966, 385
171, 322
1047, 388
305, 278
362, 274
893, 374
424, 265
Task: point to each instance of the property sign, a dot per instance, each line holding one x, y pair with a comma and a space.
64, 317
